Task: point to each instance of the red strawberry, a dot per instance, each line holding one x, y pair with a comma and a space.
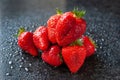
81, 25
74, 57
25, 42
89, 44
70, 27
80, 22
52, 56
51, 24
40, 38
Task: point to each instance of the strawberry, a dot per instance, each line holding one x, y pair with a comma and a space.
40, 38
51, 24
52, 56
25, 42
89, 44
70, 27
80, 22
74, 57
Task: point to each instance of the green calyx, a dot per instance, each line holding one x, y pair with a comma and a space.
58, 11
61, 59
79, 13
77, 42
93, 42
20, 30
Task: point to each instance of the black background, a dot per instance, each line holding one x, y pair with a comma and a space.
103, 25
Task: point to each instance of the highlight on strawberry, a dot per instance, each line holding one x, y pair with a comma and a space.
62, 40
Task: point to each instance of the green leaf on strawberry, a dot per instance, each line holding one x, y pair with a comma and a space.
58, 11
77, 42
79, 13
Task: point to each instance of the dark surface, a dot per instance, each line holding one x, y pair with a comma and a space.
103, 24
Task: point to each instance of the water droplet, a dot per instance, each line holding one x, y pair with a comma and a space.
102, 39
13, 55
10, 62
16, 59
7, 74
20, 53
10, 54
1, 61
45, 71
16, 52
30, 64
100, 47
96, 40
31, 30
33, 26
22, 58
26, 69
20, 66
11, 43
11, 67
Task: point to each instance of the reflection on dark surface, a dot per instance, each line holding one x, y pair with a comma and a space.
15, 7
103, 22
102, 5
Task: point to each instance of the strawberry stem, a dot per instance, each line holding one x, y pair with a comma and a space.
61, 57
77, 42
93, 42
20, 30
58, 11
79, 13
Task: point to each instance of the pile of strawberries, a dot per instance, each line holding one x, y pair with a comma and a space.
62, 40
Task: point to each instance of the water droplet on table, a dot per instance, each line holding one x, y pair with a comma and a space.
7, 74
26, 69
10, 62
22, 58
20, 66
30, 64
11, 67
102, 39
100, 47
